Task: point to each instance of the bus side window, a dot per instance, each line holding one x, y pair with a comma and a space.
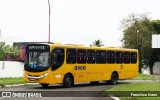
71, 56
119, 57
90, 56
133, 57
100, 56
81, 56
111, 57
126, 57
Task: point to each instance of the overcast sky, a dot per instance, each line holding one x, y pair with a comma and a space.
72, 21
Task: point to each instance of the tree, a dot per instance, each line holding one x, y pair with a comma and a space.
156, 26
155, 52
97, 43
138, 31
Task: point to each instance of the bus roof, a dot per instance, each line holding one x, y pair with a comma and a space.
79, 46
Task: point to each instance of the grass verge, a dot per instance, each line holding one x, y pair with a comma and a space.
8, 81
146, 77
137, 91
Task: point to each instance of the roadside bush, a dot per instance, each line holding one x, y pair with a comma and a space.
8, 53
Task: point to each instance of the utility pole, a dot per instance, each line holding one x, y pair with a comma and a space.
137, 39
49, 20
0, 33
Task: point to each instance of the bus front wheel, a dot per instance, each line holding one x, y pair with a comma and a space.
44, 85
114, 79
67, 81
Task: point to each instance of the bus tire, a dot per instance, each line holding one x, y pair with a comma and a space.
94, 82
114, 79
44, 85
68, 81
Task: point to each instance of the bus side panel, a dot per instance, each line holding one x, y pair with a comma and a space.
87, 77
128, 71
124, 71
58, 74
91, 73
80, 77
98, 72
122, 75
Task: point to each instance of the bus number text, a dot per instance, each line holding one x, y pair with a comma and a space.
80, 68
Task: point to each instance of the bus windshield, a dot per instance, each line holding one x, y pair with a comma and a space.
38, 59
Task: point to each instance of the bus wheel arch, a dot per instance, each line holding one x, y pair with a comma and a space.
68, 80
114, 78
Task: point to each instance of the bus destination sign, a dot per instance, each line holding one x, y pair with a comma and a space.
36, 47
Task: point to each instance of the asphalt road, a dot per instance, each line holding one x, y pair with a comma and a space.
84, 91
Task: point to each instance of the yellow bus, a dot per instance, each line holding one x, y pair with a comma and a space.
49, 63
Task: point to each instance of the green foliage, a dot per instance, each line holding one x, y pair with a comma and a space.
138, 30
124, 91
8, 81
2, 44
146, 77
97, 43
8, 53
156, 25
151, 86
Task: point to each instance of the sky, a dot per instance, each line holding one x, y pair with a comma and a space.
72, 21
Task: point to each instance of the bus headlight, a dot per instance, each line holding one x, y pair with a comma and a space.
45, 74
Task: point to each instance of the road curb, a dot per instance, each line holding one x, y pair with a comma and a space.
138, 81
114, 98
31, 83
15, 85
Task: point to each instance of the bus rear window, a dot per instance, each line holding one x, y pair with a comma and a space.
133, 57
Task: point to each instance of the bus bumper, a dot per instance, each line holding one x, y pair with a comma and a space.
48, 78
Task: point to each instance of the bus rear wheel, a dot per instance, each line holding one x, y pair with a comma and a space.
44, 85
114, 79
68, 81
